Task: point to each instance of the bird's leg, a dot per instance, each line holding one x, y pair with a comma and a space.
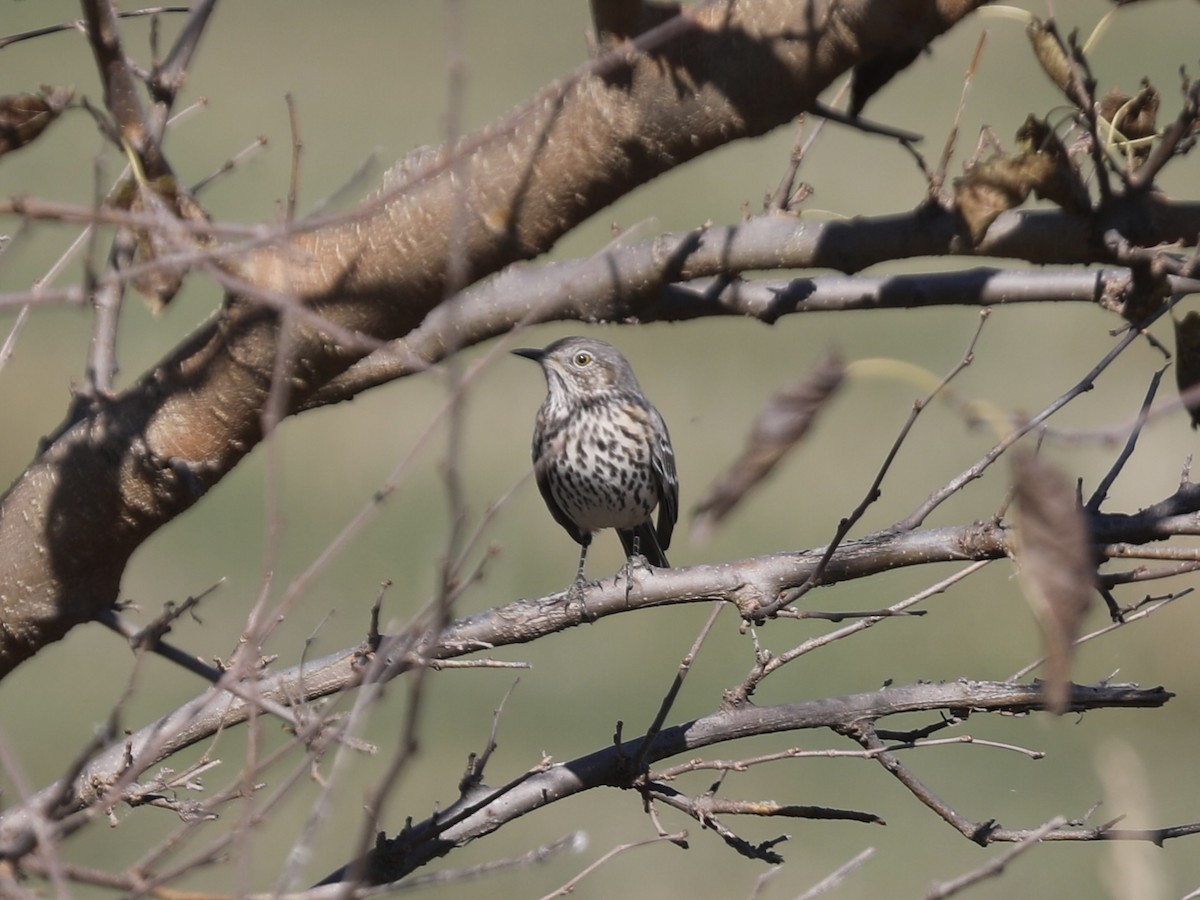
583, 549
636, 554
576, 591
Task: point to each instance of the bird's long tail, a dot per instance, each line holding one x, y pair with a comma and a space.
647, 544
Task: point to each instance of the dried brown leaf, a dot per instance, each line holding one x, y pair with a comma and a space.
1050, 53
988, 189
782, 423
1058, 572
164, 198
1134, 118
1143, 297
1041, 166
1187, 363
1138, 114
1055, 177
24, 116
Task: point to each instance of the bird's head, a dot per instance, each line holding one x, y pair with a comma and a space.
578, 365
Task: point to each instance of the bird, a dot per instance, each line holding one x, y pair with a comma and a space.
602, 455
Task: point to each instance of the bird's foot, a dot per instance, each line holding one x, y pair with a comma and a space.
577, 593
633, 563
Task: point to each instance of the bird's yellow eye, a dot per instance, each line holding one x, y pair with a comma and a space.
583, 358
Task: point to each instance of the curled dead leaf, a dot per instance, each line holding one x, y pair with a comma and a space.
25, 116
1041, 166
1187, 363
164, 199
1058, 572
1050, 53
782, 423
1146, 293
1134, 119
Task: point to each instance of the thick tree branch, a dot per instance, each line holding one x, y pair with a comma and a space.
121, 469
676, 277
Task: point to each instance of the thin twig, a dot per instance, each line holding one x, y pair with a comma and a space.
289, 215
834, 879
478, 763
1129, 619
939, 175
1084, 385
872, 494
78, 24
1101, 492
765, 667
571, 885
995, 866
685, 666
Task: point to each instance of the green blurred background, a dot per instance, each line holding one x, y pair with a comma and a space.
369, 78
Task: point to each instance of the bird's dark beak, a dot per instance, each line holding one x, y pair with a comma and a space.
529, 353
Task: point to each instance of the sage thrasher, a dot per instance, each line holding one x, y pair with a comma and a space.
601, 452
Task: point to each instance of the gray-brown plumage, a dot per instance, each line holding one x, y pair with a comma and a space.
601, 453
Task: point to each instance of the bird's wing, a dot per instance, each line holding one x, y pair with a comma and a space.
662, 458
541, 460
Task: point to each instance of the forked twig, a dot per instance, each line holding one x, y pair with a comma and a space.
872, 494
571, 885
1101, 492
685, 666
994, 866
975, 471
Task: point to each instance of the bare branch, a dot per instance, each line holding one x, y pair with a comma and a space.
420, 843
996, 866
